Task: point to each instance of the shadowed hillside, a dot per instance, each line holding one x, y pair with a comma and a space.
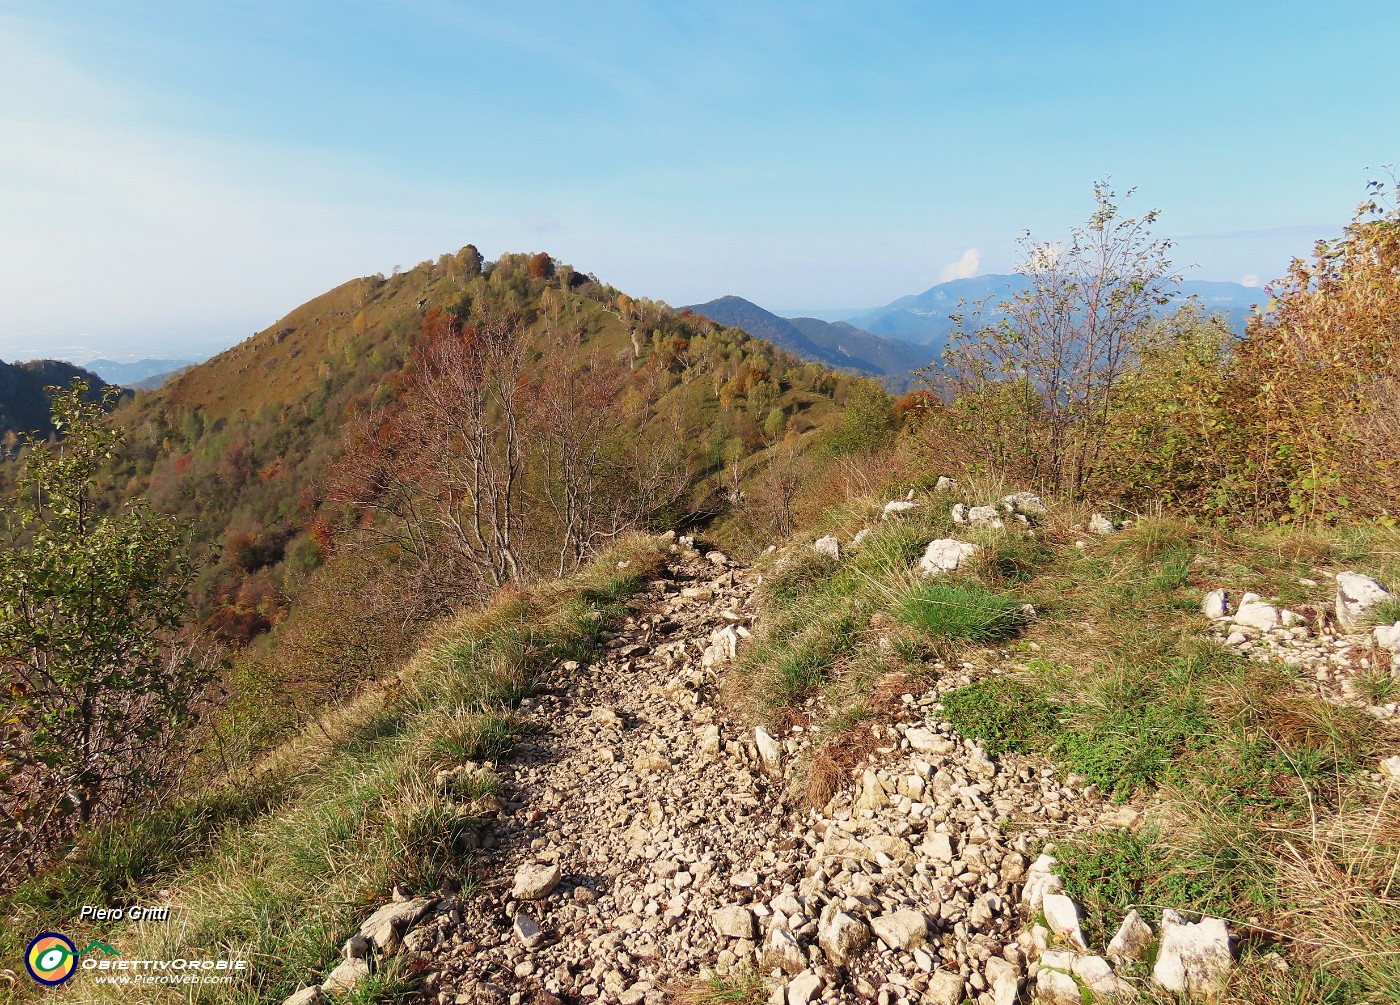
838, 345
24, 405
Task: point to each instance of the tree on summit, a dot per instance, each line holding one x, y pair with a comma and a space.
541, 266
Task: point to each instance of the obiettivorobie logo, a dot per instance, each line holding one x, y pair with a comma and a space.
52, 958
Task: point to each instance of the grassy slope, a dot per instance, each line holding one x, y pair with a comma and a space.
1259, 797
278, 865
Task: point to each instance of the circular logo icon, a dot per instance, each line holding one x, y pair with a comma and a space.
51, 958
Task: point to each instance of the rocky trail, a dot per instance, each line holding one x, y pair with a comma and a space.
643, 838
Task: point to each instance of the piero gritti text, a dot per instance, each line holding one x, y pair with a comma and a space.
135, 912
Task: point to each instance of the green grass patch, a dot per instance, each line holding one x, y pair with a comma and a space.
1387, 612
1004, 714
960, 611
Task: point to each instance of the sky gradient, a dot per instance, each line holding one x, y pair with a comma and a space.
174, 176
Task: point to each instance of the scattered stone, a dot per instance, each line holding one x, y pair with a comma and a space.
1133, 940
307, 996
718, 559
734, 922
1100, 524
945, 484
945, 555
1391, 766
828, 546
841, 935
896, 507
1216, 605
901, 930
1194, 958
860, 537
346, 975
944, 988
1357, 594
535, 882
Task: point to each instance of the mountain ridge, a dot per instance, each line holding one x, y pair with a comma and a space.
923, 318
839, 345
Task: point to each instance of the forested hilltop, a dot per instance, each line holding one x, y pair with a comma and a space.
485, 634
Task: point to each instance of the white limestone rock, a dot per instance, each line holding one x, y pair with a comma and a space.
535, 882
829, 547
1194, 959
945, 555
897, 507
1132, 941
1356, 595
902, 930
1216, 605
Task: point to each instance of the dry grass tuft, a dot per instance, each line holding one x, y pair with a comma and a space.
1341, 885
744, 988
833, 764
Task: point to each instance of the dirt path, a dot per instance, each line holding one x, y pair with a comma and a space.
643, 837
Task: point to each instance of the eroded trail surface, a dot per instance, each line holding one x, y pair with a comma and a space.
644, 837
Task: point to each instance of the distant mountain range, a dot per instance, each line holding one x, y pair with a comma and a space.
835, 344
924, 317
146, 374
890, 341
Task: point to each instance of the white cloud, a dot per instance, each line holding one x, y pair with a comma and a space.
1044, 257
964, 268
1250, 280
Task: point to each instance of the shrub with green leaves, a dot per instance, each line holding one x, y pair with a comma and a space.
90, 605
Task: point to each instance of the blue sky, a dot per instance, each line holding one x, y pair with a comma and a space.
176, 175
